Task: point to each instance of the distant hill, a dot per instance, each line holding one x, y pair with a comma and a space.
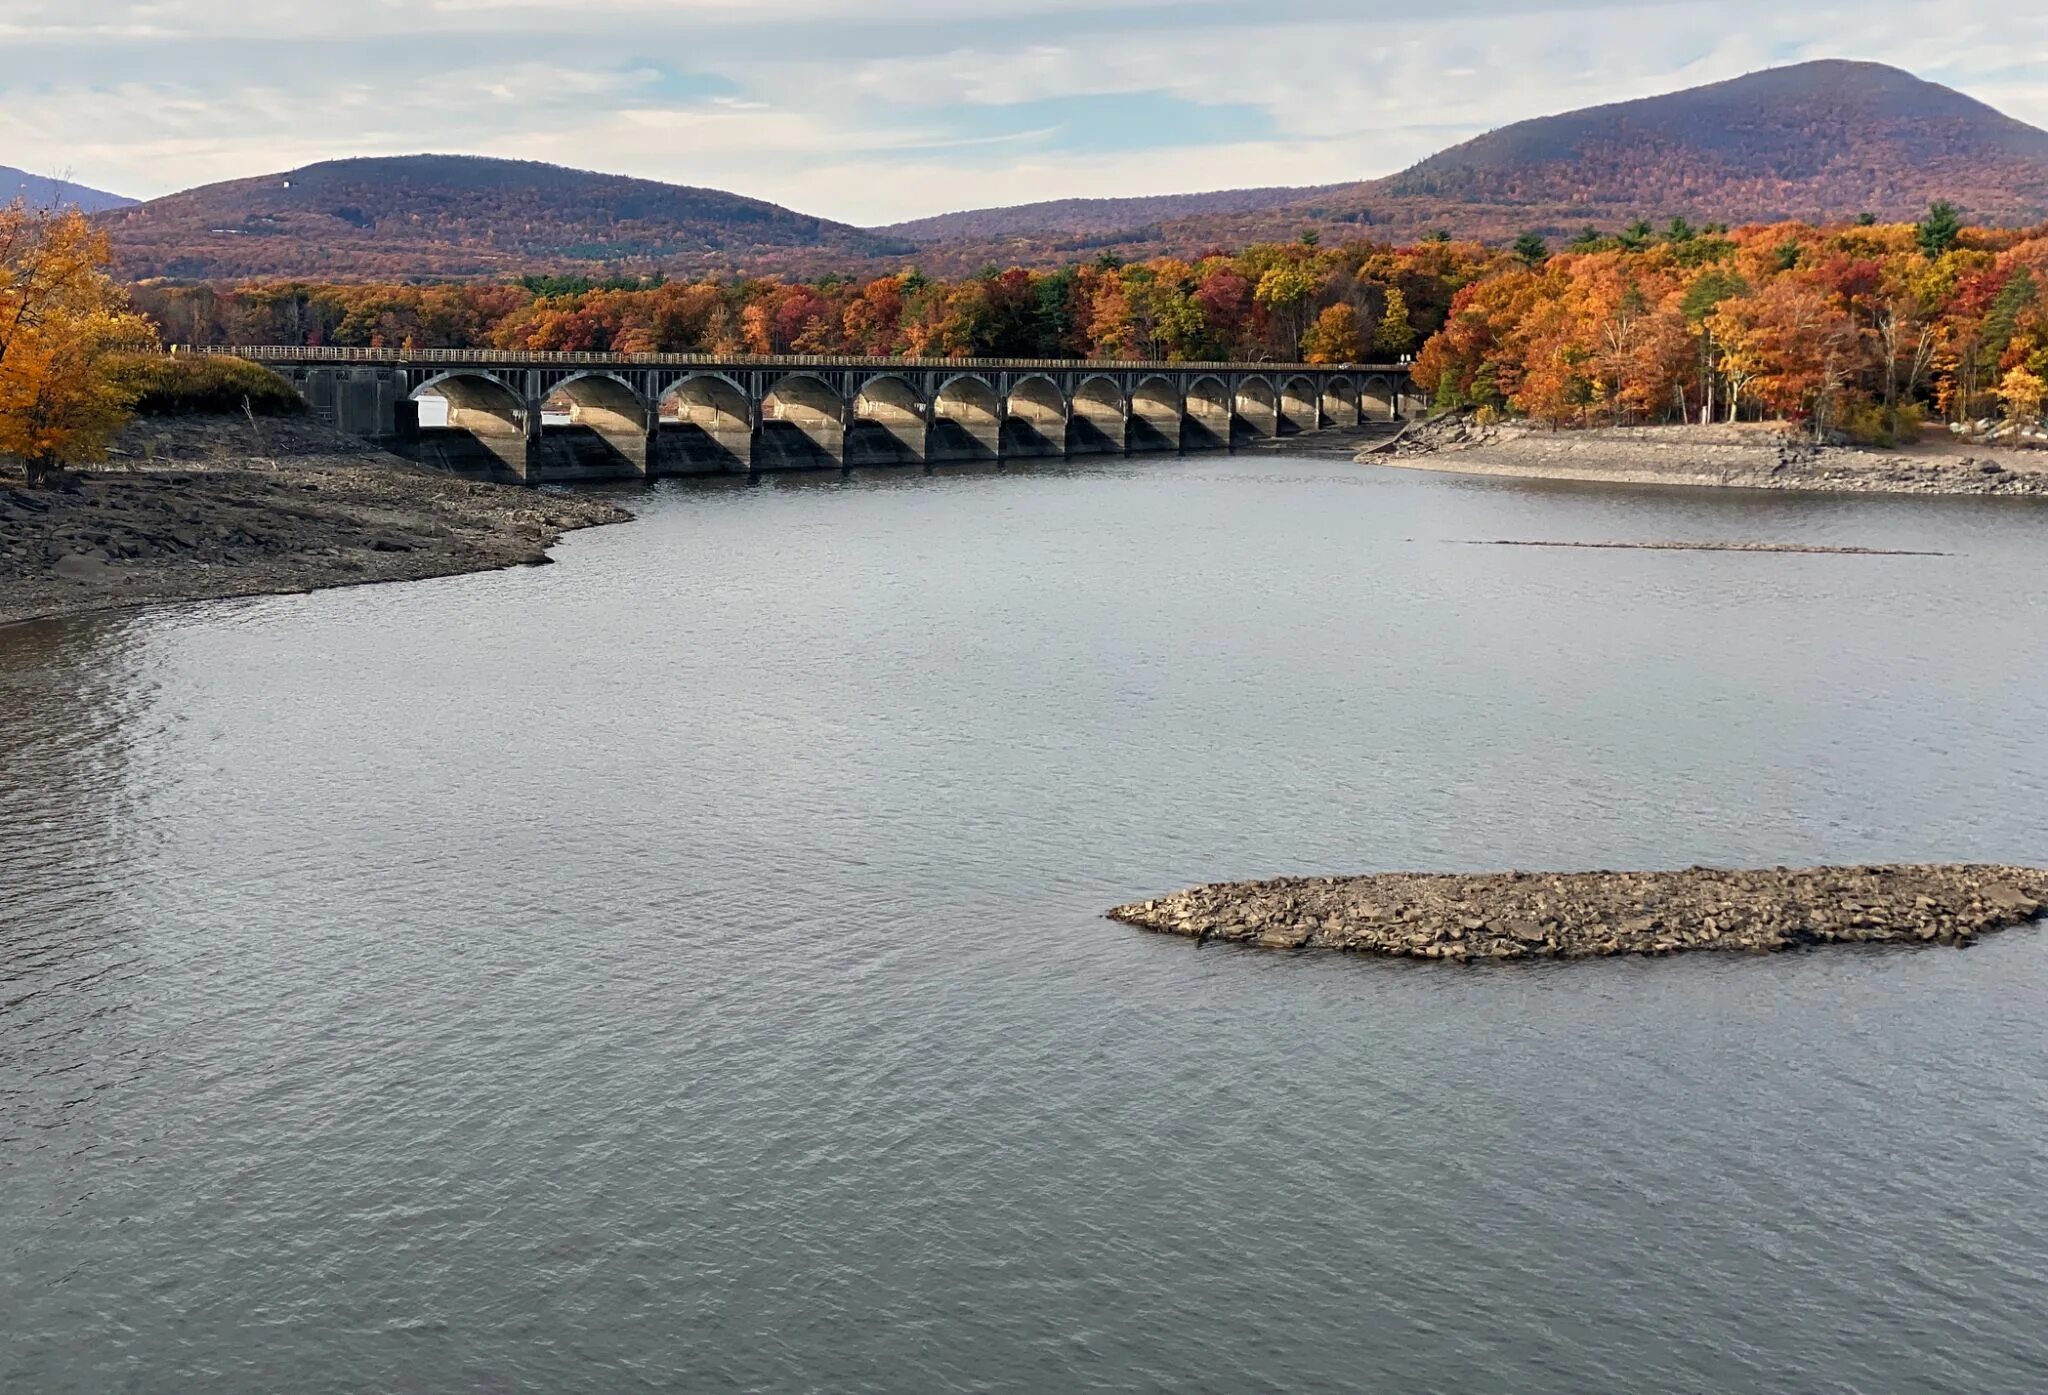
1816, 140
460, 217
1086, 217
41, 191
1822, 140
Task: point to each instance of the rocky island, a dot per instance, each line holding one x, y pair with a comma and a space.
1523, 915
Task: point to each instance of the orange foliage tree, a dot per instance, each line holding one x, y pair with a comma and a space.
61, 317
1334, 337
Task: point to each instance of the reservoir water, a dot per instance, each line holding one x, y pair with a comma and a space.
681, 968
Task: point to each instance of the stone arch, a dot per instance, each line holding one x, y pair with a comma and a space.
1378, 400
1256, 409
967, 420
488, 425
598, 392
473, 390
706, 423
803, 425
694, 396
1300, 406
1340, 402
1035, 416
889, 424
608, 427
1098, 424
1209, 412
1155, 416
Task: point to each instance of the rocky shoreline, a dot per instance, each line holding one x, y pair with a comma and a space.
1760, 456
210, 508
1523, 916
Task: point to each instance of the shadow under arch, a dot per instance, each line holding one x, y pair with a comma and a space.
704, 425
1255, 411
1034, 418
1099, 423
1340, 402
967, 421
889, 425
1379, 399
1210, 411
1299, 408
489, 424
607, 434
803, 425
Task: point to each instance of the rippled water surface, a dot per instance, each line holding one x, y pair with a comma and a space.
680, 968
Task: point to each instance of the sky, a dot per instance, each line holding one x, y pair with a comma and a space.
871, 111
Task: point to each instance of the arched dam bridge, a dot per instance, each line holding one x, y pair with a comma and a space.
537, 417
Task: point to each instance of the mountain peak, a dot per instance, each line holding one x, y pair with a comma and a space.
1825, 138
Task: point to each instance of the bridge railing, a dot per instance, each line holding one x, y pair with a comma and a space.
403, 357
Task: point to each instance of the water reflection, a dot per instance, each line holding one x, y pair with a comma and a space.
75, 710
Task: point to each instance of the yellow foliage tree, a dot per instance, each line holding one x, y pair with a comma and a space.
2023, 394
1284, 291
1395, 335
1334, 337
61, 317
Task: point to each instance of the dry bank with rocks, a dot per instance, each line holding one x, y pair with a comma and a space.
204, 508
1741, 456
1522, 915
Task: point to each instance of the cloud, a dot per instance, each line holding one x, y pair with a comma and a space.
895, 108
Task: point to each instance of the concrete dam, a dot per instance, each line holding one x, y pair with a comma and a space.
541, 417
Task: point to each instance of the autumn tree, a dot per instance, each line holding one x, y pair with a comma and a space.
1786, 343
1334, 336
1284, 291
2023, 394
1396, 332
61, 318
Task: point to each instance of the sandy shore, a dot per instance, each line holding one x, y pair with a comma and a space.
1742, 457
1519, 915
206, 509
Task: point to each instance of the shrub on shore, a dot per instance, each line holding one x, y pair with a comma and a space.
163, 386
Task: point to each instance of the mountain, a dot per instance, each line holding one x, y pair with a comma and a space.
1069, 218
1821, 140
41, 191
1815, 140
451, 216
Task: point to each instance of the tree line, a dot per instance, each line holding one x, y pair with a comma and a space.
1271, 302
1858, 328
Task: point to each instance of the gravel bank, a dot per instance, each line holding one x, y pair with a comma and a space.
210, 508
1521, 915
1741, 457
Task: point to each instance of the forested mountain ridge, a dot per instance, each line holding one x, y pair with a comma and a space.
1815, 140
1823, 141
1069, 218
466, 217
1819, 141
44, 191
